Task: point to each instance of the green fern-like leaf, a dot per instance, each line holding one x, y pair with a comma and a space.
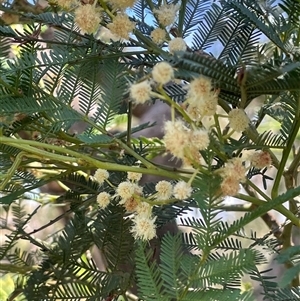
148, 276
190, 14
113, 89
209, 28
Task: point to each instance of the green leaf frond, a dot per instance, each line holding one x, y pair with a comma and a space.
214, 272
113, 88
190, 15
292, 8
111, 235
143, 27
60, 100
269, 139
70, 241
239, 40
286, 294
141, 9
172, 260
139, 60
4, 51
272, 244
21, 258
260, 17
169, 279
62, 20
74, 275
20, 220
270, 81
80, 184
209, 28
168, 213
150, 283
217, 294
265, 280
175, 91
292, 253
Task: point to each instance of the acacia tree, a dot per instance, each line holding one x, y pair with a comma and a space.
112, 56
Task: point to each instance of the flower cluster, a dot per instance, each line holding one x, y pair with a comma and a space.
143, 227
134, 176
103, 199
164, 190
121, 4
88, 18
140, 92
177, 44
182, 190
162, 72
202, 99
67, 4
233, 173
158, 35
184, 143
121, 26
130, 195
238, 120
101, 175
166, 14
261, 159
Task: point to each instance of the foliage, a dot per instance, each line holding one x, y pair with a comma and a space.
61, 102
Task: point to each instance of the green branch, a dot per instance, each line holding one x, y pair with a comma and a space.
285, 156
37, 148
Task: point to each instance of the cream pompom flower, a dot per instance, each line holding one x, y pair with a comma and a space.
182, 190
134, 176
101, 175
143, 209
103, 199
230, 186
233, 173
238, 120
177, 44
158, 35
130, 204
164, 190
199, 86
199, 139
125, 190
88, 18
261, 159
176, 137
166, 14
66, 4
144, 227
235, 169
162, 72
204, 105
121, 26
140, 92
122, 4
201, 98
128, 191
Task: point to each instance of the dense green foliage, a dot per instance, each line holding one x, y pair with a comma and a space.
257, 67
